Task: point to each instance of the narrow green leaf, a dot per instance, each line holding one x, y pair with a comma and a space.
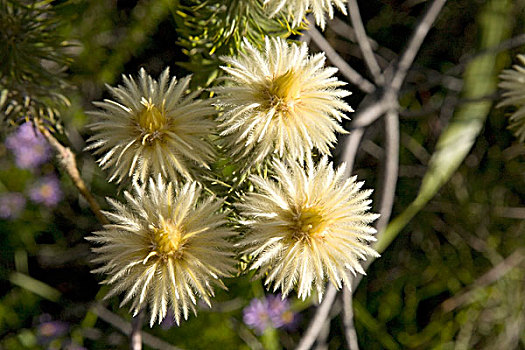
33, 285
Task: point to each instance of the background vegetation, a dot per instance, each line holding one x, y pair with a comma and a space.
453, 278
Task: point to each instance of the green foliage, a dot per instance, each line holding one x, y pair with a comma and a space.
423, 293
33, 57
430, 288
144, 20
209, 29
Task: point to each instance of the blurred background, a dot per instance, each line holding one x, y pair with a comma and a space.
454, 278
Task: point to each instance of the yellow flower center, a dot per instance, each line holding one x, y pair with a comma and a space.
281, 92
309, 224
46, 191
287, 317
167, 240
151, 121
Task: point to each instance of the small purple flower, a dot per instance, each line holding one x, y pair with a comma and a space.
257, 316
277, 307
46, 191
11, 205
49, 330
288, 320
273, 311
29, 147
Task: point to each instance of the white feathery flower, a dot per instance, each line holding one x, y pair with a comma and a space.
152, 127
307, 226
297, 9
165, 248
513, 82
280, 101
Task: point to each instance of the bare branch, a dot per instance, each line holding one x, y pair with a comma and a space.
348, 320
382, 54
391, 169
419, 35
125, 327
135, 336
346, 31
371, 113
321, 315
362, 119
351, 144
389, 182
67, 158
364, 44
322, 337
351, 74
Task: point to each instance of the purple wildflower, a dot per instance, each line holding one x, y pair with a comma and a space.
29, 147
277, 308
288, 320
11, 205
49, 330
46, 191
273, 311
257, 316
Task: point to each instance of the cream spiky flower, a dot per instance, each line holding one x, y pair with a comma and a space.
164, 248
153, 127
513, 82
307, 226
280, 101
297, 9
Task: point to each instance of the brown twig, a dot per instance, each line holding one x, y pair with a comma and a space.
319, 319
135, 336
415, 42
348, 320
323, 337
371, 113
68, 161
362, 119
351, 145
363, 42
382, 54
351, 74
391, 170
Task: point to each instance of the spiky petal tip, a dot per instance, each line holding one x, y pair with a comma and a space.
512, 81
153, 127
295, 10
280, 101
165, 247
307, 226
